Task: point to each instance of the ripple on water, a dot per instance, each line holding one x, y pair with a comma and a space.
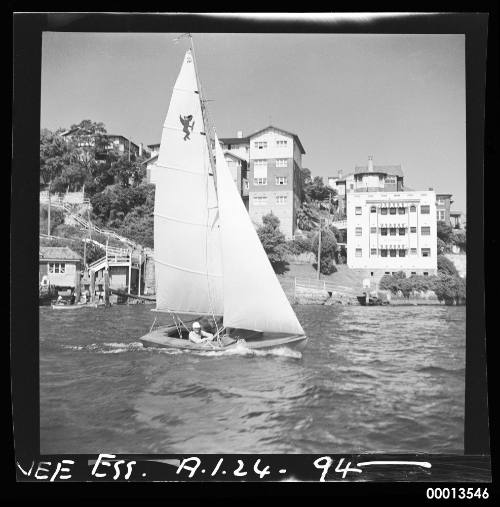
370, 380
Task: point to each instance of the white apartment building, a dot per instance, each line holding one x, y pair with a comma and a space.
392, 231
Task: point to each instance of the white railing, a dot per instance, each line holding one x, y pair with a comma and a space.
68, 198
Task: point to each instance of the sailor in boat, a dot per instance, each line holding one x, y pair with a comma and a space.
197, 335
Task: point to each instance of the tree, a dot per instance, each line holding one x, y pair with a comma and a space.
305, 180
318, 191
445, 266
273, 241
450, 289
57, 161
127, 172
459, 238
328, 250
444, 232
307, 217
442, 247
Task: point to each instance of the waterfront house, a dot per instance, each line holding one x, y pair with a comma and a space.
59, 267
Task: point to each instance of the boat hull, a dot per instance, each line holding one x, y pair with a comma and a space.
160, 338
73, 307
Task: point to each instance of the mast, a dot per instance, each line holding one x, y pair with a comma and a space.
204, 111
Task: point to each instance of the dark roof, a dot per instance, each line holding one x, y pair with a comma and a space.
444, 195
234, 140
392, 170
58, 253
295, 136
153, 145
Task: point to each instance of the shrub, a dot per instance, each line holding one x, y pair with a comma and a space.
298, 246
328, 250
273, 241
445, 266
450, 289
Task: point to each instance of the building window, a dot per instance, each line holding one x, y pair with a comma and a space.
373, 209
441, 215
373, 230
261, 162
281, 143
425, 209
413, 273
359, 231
351, 186
281, 180
383, 211
359, 252
392, 252
402, 231
383, 231
246, 184
426, 231
413, 209
426, 252
440, 202
260, 144
281, 162
260, 200
392, 211
426, 273
57, 267
401, 211
373, 251
383, 253
413, 229
402, 253
260, 181
413, 251
358, 210
392, 231
281, 199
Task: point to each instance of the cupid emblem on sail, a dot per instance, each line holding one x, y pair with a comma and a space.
186, 120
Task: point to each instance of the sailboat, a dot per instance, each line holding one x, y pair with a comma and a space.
209, 261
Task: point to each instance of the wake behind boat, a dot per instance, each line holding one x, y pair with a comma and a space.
209, 261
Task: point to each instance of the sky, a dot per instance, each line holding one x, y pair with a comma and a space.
399, 98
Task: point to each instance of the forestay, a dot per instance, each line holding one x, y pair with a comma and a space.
253, 297
188, 269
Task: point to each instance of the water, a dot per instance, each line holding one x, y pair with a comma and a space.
371, 379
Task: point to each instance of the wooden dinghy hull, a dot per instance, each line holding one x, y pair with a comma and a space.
160, 338
73, 307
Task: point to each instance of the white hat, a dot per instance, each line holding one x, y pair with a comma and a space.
196, 325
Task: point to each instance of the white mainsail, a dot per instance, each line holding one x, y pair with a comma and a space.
253, 297
188, 264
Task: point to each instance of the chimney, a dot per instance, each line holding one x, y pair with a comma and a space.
140, 149
239, 134
370, 163
340, 174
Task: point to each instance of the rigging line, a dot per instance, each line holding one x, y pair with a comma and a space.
210, 301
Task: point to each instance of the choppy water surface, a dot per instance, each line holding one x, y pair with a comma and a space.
372, 379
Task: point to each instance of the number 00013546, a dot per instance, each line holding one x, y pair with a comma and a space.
458, 493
